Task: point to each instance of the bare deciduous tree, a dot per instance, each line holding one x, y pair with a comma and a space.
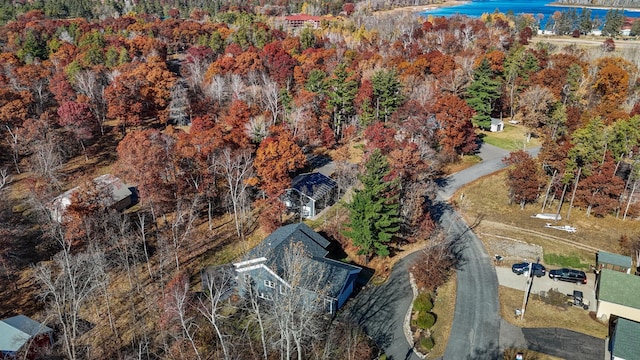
237, 169
5, 178
92, 85
217, 89
67, 283
296, 312
271, 98
218, 285
178, 310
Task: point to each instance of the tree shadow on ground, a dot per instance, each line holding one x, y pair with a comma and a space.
374, 310
491, 352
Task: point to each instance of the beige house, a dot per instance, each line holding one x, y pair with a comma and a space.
617, 294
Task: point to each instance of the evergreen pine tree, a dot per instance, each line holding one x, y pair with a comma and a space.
373, 217
387, 93
482, 93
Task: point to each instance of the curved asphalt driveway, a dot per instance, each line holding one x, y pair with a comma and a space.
475, 332
381, 310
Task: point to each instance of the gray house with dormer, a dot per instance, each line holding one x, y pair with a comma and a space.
273, 276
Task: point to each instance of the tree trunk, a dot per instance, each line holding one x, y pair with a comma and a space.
546, 195
626, 210
573, 195
564, 191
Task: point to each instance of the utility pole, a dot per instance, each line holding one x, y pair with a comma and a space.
528, 288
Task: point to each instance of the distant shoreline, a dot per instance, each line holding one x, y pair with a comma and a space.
421, 8
556, 4
453, 3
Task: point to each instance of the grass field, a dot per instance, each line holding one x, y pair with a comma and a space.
486, 202
513, 137
542, 315
443, 307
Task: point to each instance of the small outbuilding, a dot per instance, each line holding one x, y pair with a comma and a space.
310, 193
21, 333
114, 192
615, 262
497, 125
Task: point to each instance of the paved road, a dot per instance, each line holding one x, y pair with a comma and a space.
565, 344
381, 310
491, 162
476, 324
475, 332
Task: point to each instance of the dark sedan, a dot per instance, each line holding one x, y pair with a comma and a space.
522, 268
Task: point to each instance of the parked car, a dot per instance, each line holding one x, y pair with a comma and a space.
521, 268
570, 275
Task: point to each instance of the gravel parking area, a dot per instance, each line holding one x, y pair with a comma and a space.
507, 278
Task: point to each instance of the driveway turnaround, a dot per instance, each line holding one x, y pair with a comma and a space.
565, 344
381, 310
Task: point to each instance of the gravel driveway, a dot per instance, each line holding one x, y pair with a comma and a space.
507, 278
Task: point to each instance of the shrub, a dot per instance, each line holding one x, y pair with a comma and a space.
426, 343
426, 320
555, 297
423, 303
383, 357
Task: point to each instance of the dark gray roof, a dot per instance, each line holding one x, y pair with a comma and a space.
627, 341
329, 274
333, 273
275, 244
314, 185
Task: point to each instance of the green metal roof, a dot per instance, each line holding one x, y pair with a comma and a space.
614, 259
619, 288
627, 339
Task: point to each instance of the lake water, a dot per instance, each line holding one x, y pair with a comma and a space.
477, 8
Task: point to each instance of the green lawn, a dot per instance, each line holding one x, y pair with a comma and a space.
513, 137
570, 261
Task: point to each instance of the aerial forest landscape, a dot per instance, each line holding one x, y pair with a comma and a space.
312, 180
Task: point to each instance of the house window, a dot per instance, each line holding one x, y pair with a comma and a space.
262, 295
270, 284
247, 278
282, 290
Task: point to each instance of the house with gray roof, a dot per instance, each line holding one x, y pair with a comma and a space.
310, 193
21, 333
274, 274
117, 195
625, 340
617, 294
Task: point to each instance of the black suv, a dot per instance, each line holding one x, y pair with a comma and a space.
570, 275
521, 268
